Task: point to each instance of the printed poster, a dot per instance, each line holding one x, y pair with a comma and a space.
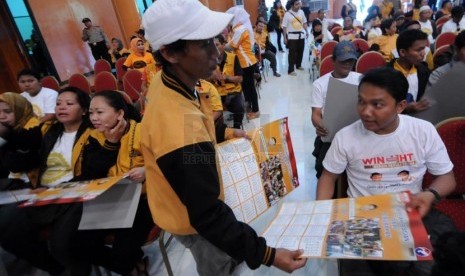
70, 192
374, 227
257, 173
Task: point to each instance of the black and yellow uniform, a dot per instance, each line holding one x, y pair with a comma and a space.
230, 92
183, 185
92, 156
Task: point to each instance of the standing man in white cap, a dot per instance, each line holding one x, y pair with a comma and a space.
178, 143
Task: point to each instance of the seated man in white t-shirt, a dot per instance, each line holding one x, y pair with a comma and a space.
398, 149
43, 99
456, 23
344, 56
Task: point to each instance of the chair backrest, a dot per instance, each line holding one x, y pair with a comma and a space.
452, 132
105, 81
444, 39
442, 20
335, 29
439, 28
327, 49
101, 65
326, 65
368, 61
50, 82
120, 71
440, 51
80, 81
125, 96
361, 45
132, 83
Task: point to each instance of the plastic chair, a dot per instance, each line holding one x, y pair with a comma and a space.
327, 49
326, 65
447, 38
439, 28
50, 82
80, 81
452, 132
101, 65
361, 45
440, 51
335, 30
368, 61
132, 83
105, 81
120, 72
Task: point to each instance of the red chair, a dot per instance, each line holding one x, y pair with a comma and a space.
452, 132
327, 49
105, 81
326, 65
132, 82
444, 39
361, 45
335, 29
101, 65
120, 72
439, 28
50, 82
80, 81
440, 51
368, 61
442, 20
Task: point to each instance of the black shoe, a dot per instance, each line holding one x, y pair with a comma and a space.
276, 74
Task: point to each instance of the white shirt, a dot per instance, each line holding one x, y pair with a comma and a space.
44, 102
414, 147
320, 88
59, 161
291, 24
451, 26
427, 28
327, 36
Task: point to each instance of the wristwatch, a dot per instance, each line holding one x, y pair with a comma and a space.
437, 197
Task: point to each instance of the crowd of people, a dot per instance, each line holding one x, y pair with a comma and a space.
207, 65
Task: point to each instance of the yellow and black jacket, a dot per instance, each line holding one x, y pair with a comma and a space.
229, 66
91, 158
184, 189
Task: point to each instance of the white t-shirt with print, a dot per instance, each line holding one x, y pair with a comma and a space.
451, 26
293, 22
320, 88
427, 28
44, 102
59, 161
414, 147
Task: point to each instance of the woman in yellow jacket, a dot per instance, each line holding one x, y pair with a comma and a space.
107, 108
68, 152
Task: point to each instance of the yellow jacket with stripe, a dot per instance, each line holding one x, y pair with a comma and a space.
231, 67
184, 189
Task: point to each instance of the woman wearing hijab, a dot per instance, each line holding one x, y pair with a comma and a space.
242, 43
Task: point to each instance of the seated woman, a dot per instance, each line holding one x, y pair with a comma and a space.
117, 50
386, 42
108, 108
348, 32
15, 113
143, 61
68, 152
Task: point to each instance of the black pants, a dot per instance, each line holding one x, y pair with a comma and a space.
279, 33
125, 251
248, 86
296, 53
54, 254
100, 50
233, 102
269, 55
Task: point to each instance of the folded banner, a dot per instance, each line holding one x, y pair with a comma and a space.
257, 173
375, 227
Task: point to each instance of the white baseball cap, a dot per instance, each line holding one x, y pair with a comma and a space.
167, 21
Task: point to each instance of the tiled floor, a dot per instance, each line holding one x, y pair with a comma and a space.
285, 96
